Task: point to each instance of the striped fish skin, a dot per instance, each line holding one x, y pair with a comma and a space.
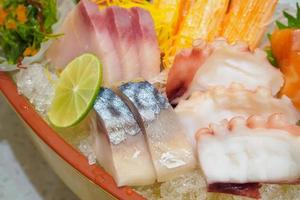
119, 143
171, 152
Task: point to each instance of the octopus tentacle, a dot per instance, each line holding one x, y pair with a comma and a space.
219, 103
220, 64
254, 149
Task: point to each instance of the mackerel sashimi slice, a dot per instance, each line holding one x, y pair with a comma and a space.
119, 143
123, 39
171, 152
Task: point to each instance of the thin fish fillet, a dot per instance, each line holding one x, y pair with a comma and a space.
119, 143
120, 27
148, 49
124, 40
85, 32
171, 152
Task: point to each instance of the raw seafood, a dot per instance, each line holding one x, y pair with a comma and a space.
250, 190
234, 20
229, 64
124, 40
170, 149
203, 21
247, 21
119, 143
186, 64
216, 104
250, 150
221, 64
147, 44
119, 25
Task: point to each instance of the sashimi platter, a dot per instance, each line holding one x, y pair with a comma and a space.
169, 99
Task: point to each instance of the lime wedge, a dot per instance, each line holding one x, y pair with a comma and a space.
76, 90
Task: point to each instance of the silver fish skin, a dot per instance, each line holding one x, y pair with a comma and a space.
171, 152
119, 143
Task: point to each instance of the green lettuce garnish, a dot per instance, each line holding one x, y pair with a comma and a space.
16, 36
292, 22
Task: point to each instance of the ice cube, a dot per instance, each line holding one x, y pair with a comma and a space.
37, 84
85, 147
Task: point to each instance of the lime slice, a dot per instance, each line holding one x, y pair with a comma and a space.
76, 91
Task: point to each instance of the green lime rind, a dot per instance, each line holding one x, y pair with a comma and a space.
76, 91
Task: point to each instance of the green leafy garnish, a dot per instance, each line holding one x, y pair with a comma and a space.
24, 25
293, 21
271, 57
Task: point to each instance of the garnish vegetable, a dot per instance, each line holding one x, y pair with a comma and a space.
76, 90
24, 25
286, 51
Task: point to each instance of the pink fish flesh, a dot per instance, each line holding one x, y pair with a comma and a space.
124, 40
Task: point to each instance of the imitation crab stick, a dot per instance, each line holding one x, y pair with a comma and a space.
196, 20
202, 21
246, 20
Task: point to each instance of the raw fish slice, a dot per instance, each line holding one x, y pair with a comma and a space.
85, 31
119, 143
252, 150
149, 53
124, 40
171, 152
216, 104
121, 28
68, 40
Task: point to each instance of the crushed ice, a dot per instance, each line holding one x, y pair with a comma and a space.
170, 161
85, 147
37, 84
189, 186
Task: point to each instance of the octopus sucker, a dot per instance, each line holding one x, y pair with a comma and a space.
119, 143
219, 103
249, 154
171, 152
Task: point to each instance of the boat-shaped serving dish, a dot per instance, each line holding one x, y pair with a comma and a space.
86, 181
